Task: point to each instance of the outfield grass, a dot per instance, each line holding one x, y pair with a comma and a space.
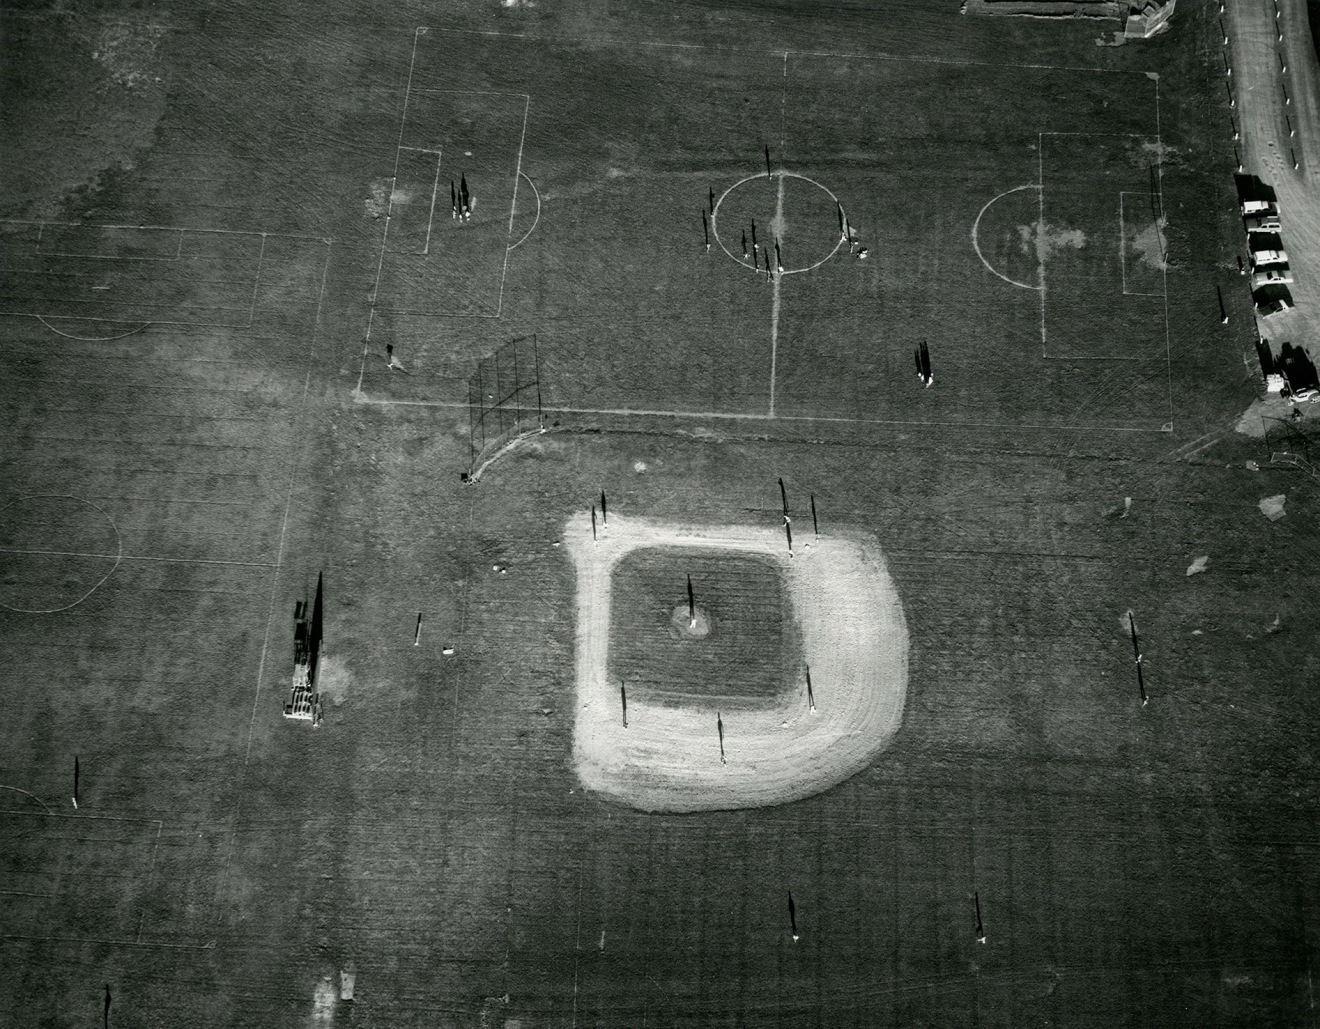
1138, 867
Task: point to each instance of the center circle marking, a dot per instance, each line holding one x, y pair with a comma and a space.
715, 220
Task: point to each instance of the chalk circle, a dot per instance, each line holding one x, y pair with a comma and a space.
688, 627
55, 550
1014, 225
809, 234
85, 338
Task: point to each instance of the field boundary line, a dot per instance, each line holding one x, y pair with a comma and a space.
723, 48
630, 412
223, 877
1159, 190
1040, 237
389, 210
178, 249
1122, 243
163, 228
130, 557
783, 110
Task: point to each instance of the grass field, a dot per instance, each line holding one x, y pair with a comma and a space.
214, 224
747, 648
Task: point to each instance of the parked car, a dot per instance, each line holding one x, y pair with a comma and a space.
1271, 277
1273, 307
1250, 207
1264, 223
1263, 258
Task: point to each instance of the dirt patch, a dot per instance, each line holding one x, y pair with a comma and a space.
379, 201
696, 757
1046, 239
333, 680
126, 50
1150, 246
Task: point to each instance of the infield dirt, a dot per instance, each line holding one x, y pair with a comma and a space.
690, 757
238, 164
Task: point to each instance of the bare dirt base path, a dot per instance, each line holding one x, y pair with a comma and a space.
668, 758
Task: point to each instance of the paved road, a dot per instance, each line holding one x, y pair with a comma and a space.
1260, 86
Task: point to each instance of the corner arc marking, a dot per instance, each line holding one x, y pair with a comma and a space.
976, 225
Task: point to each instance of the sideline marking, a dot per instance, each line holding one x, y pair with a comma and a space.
1040, 235
783, 105
384, 238
222, 880
632, 412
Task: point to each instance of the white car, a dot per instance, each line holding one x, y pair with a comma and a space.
1262, 258
1271, 277
1264, 223
1250, 207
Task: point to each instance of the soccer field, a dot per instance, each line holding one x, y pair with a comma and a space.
251, 333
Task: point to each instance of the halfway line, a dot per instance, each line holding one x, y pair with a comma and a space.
774, 303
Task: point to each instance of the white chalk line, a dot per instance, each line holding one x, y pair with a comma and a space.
976, 227
1045, 355
783, 109
1159, 187
178, 249
89, 339
385, 236
430, 218
714, 221
274, 583
535, 221
775, 299
26, 794
908, 58
513, 205
116, 557
92, 555
1040, 235
166, 228
139, 324
632, 412
1122, 245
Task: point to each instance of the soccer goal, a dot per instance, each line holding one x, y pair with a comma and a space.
504, 401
